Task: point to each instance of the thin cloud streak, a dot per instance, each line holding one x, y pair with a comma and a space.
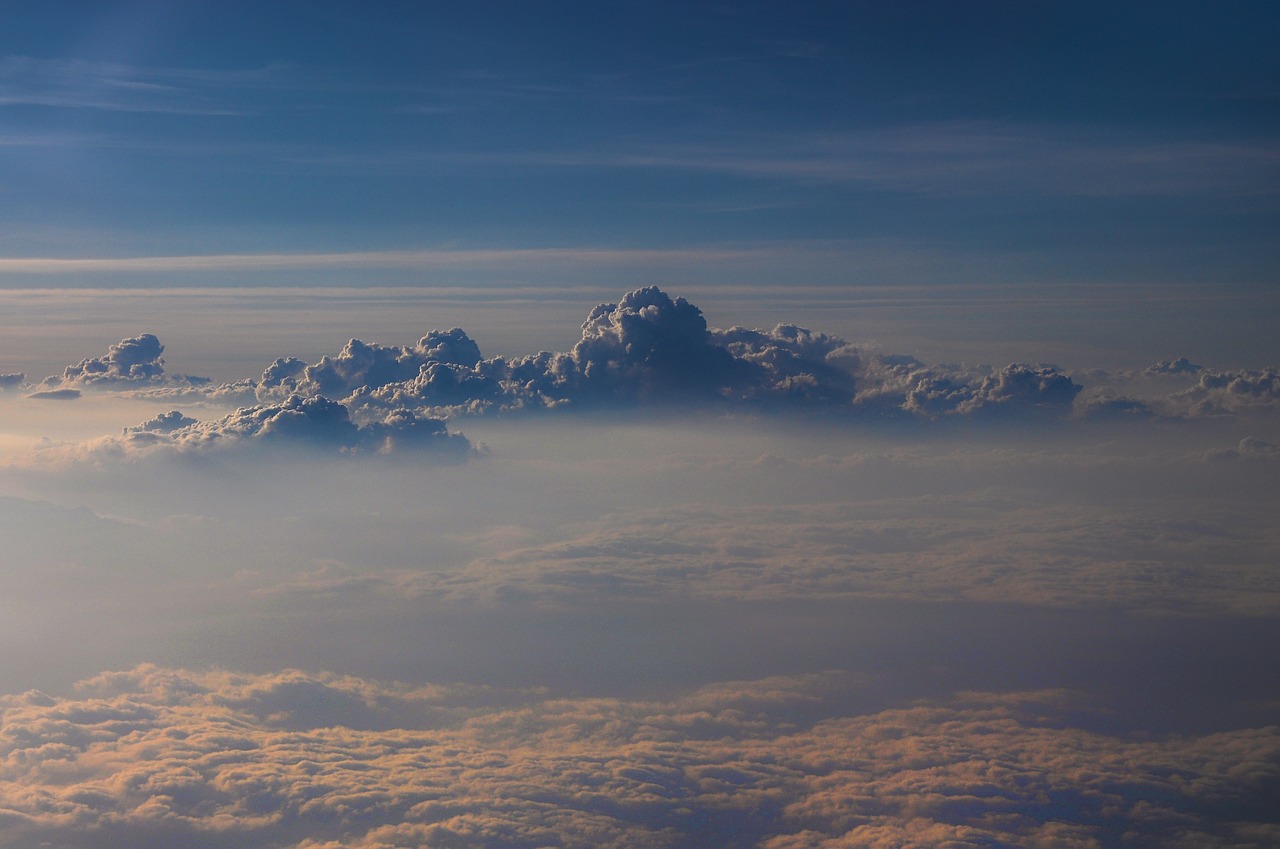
462, 258
947, 159
115, 87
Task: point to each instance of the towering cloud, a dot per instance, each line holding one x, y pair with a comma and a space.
647, 349
130, 363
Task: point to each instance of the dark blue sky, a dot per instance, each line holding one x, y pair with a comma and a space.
852, 142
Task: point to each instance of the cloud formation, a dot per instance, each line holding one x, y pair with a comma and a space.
1226, 393
650, 349
157, 757
296, 421
130, 363
647, 351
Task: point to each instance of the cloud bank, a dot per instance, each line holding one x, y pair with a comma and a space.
157, 757
646, 352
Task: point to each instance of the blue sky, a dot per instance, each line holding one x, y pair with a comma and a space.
853, 143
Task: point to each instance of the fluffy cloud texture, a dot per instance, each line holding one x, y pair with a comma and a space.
652, 350
158, 757
130, 363
297, 421
647, 351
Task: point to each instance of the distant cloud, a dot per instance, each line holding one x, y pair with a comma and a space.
1249, 448
933, 392
968, 158
156, 757
648, 350
1225, 393
444, 258
652, 349
1179, 366
315, 422
361, 365
116, 87
130, 363
55, 395
1182, 560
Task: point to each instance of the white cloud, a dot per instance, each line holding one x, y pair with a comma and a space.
130, 363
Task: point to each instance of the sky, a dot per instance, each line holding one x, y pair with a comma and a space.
502, 425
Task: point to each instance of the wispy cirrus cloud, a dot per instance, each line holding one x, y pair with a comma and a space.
970, 158
412, 259
115, 87
940, 158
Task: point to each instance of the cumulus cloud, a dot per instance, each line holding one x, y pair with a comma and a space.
650, 349
156, 757
296, 421
1106, 407
370, 366
10, 382
933, 392
1181, 365
1225, 393
1250, 449
646, 349
130, 363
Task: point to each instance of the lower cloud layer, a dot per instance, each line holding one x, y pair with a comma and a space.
164, 757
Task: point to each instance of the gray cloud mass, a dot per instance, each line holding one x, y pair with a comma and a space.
313, 421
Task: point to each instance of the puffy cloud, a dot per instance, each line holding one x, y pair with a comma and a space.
1025, 388
1249, 448
311, 422
369, 366
134, 362
163, 423
11, 381
1223, 393
646, 349
652, 350
1105, 407
796, 363
158, 757
648, 345
1179, 366
1015, 391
